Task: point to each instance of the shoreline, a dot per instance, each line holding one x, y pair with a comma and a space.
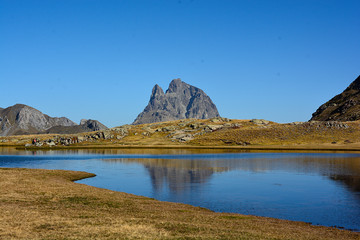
50, 192
240, 148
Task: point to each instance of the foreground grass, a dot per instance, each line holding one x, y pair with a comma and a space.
46, 204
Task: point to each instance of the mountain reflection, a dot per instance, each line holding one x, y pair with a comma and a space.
180, 174
177, 179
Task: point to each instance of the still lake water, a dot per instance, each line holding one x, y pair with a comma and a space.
320, 188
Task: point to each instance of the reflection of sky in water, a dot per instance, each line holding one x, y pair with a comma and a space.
319, 188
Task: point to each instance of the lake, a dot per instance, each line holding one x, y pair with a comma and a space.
319, 188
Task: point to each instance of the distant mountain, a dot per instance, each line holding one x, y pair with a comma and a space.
86, 125
180, 101
94, 125
342, 107
21, 119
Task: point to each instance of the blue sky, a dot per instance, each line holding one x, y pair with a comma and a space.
99, 59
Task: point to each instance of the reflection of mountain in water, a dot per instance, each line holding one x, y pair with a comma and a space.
177, 179
179, 174
353, 182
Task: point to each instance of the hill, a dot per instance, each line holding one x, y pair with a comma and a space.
21, 119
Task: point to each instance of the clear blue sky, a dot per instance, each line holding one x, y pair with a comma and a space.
99, 59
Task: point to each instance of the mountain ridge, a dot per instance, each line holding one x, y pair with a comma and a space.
21, 119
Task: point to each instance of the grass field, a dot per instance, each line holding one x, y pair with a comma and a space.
212, 133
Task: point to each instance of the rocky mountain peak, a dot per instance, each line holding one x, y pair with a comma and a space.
92, 125
23, 119
175, 85
180, 101
157, 91
343, 107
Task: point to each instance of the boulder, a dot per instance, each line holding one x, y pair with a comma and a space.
260, 121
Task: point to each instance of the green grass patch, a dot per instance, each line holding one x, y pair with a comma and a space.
79, 200
235, 217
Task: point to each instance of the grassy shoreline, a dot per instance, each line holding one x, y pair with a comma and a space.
47, 204
240, 148
217, 133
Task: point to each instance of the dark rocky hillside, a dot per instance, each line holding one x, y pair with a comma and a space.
86, 125
21, 119
180, 101
342, 107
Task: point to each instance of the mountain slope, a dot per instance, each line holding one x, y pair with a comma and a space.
86, 125
343, 107
180, 101
21, 119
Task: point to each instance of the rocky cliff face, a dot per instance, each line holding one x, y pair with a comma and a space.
22, 119
180, 101
342, 107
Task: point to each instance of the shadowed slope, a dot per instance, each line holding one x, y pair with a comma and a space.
342, 107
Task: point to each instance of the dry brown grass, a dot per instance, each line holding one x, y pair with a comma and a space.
269, 136
46, 204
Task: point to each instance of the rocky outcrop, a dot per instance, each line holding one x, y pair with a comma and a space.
343, 107
21, 119
180, 101
93, 125
116, 133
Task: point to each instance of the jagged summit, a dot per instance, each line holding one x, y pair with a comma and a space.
180, 101
342, 107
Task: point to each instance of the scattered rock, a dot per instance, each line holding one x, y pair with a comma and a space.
329, 124
219, 119
148, 129
50, 143
296, 123
213, 127
260, 121
168, 128
194, 126
183, 137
